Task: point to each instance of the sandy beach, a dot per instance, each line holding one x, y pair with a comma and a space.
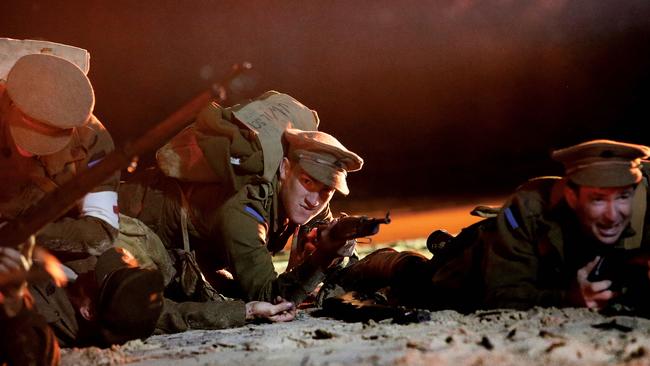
499, 337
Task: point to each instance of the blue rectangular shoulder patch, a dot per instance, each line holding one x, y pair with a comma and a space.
96, 159
255, 214
511, 218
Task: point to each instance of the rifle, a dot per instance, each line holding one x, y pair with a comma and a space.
356, 307
346, 228
353, 227
58, 202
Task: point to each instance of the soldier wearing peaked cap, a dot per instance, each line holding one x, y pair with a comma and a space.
264, 173
115, 302
539, 248
323, 157
551, 231
48, 134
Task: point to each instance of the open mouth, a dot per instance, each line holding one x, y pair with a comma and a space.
608, 231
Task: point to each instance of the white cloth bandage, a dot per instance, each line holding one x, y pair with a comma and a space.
102, 205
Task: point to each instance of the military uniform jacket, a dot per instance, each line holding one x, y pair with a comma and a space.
233, 231
235, 221
528, 255
54, 305
28, 179
250, 226
48, 313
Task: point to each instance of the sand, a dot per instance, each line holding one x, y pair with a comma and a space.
504, 337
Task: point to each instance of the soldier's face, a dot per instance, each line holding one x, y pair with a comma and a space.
603, 212
303, 197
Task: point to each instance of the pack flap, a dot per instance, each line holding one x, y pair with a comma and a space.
269, 117
182, 158
13, 49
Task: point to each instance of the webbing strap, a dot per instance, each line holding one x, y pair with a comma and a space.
185, 205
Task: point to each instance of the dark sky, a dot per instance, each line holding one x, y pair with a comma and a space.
439, 97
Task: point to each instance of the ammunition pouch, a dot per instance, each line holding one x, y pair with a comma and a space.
150, 252
145, 246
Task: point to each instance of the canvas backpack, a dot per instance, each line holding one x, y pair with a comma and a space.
227, 145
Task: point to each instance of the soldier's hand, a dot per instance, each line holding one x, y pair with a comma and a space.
593, 295
283, 311
331, 246
291, 313
347, 249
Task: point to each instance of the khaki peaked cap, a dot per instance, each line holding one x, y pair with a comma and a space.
323, 157
54, 96
603, 163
